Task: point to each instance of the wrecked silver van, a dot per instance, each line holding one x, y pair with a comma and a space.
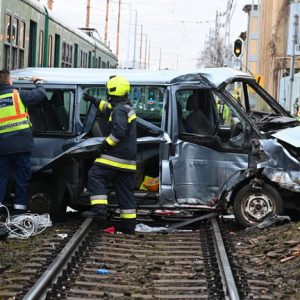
213, 137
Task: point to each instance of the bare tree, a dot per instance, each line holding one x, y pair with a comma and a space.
213, 53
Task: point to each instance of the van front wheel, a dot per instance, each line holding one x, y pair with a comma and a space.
42, 200
251, 206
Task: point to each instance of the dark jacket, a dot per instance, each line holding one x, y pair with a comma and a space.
21, 140
122, 130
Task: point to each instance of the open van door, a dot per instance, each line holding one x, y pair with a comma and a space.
207, 153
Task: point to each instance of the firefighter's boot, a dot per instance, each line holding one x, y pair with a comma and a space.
127, 226
96, 211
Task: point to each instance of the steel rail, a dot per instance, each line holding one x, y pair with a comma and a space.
39, 289
224, 265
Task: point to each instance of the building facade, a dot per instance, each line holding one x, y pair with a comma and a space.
269, 40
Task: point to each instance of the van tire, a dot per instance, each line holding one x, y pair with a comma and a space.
41, 200
251, 206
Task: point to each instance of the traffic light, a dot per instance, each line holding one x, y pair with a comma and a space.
237, 47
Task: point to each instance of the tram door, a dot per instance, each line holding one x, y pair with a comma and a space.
32, 44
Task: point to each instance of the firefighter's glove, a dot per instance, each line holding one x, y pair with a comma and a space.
89, 98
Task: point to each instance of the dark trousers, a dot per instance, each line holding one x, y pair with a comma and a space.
99, 177
17, 165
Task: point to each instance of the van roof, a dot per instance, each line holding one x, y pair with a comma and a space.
216, 76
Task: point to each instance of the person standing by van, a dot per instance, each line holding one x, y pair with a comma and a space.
16, 140
116, 161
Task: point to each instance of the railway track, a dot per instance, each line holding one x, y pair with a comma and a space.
185, 264
180, 265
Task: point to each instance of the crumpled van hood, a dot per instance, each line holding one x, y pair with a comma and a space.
290, 136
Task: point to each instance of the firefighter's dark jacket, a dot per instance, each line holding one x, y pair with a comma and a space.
21, 140
120, 147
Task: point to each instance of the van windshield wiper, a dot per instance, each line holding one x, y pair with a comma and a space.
265, 117
276, 121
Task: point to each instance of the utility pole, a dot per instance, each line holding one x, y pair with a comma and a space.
134, 44
159, 62
145, 58
118, 30
148, 67
50, 4
141, 47
87, 20
129, 34
292, 68
106, 22
227, 32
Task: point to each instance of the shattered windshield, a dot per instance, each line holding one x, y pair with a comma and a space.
265, 113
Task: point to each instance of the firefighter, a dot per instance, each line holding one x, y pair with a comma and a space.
16, 140
116, 160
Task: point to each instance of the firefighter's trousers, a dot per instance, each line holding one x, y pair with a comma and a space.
17, 165
98, 179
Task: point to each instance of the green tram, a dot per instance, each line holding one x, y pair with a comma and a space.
31, 36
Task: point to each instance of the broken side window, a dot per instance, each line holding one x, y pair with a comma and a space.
250, 99
148, 102
195, 112
54, 113
204, 117
231, 125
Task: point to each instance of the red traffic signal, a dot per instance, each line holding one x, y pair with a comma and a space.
237, 47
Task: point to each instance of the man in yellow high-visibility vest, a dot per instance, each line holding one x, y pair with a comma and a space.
16, 140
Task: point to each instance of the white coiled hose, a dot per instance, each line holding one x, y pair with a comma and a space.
26, 225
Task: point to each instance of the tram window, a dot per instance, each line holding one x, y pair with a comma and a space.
75, 56
63, 54
6, 57
14, 58
14, 43
41, 48
8, 28
21, 59
66, 58
15, 29
90, 59
83, 59
57, 50
54, 113
22, 35
67, 53
70, 55
50, 51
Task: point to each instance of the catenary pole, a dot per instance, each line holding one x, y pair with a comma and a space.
118, 30
146, 48
149, 47
129, 34
106, 22
141, 48
87, 20
134, 44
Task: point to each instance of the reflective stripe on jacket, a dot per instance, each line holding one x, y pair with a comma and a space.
13, 115
121, 143
115, 162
